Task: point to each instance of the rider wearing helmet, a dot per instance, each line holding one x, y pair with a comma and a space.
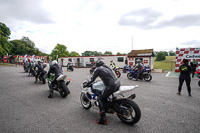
57, 71
138, 67
40, 69
111, 83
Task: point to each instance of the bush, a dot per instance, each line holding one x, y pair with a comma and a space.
160, 56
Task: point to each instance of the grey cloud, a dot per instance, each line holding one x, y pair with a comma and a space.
182, 21
192, 43
149, 17
24, 10
150, 20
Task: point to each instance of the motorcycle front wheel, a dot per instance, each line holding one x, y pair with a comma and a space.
85, 102
147, 77
133, 114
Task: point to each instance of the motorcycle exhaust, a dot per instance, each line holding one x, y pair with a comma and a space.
132, 96
67, 83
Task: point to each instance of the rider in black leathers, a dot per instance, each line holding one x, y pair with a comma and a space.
111, 83
40, 69
57, 71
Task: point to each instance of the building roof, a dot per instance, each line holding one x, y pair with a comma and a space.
144, 52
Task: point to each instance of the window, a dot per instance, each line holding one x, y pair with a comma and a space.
91, 59
70, 59
120, 59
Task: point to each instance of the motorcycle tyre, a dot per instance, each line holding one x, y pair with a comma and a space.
64, 90
118, 74
199, 83
134, 108
88, 105
129, 76
147, 77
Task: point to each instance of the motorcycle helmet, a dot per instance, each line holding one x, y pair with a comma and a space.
99, 63
54, 62
138, 60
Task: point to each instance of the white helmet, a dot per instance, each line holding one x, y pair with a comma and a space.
54, 62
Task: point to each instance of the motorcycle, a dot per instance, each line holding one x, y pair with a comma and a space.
61, 85
26, 67
126, 109
42, 76
70, 67
147, 69
143, 76
32, 72
126, 68
198, 74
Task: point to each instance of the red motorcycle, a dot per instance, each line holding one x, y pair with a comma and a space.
198, 74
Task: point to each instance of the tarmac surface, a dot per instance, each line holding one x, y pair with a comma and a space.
25, 108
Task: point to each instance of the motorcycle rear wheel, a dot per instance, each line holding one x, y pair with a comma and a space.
129, 76
64, 90
147, 77
85, 102
199, 83
118, 74
134, 112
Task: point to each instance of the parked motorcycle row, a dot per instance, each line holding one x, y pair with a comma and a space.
61, 85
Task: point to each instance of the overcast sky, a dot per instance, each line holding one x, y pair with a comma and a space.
104, 25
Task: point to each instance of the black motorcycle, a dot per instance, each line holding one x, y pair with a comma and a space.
42, 76
32, 71
70, 67
26, 67
61, 85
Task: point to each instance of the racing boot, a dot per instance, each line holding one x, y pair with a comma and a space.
51, 93
102, 114
102, 120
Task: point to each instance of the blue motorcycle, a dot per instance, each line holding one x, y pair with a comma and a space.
143, 76
126, 68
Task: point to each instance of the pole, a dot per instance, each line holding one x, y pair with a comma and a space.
132, 42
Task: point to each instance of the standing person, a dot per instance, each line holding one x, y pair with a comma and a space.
185, 71
193, 65
111, 83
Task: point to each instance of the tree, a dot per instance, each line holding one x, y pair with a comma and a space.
172, 53
91, 53
73, 53
108, 53
59, 51
24, 46
160, 56
5, 45
118, 53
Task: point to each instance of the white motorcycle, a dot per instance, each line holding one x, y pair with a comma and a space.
126, 109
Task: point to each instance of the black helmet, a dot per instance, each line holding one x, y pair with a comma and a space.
99, 63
